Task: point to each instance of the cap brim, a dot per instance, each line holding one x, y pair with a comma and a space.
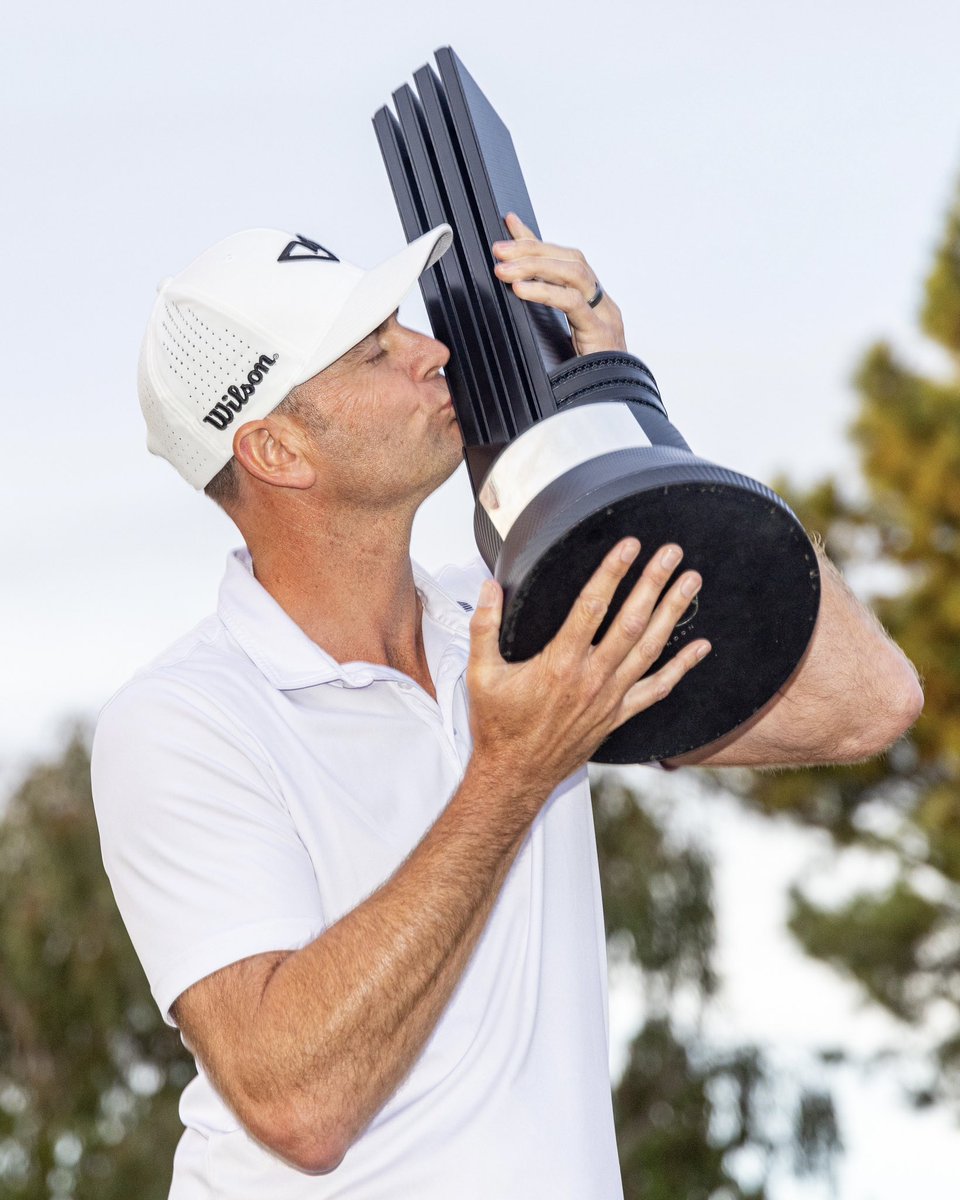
377, 294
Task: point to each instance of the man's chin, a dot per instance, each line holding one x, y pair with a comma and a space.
446, 468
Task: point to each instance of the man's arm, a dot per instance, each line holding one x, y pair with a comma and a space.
853, 694
307, 1046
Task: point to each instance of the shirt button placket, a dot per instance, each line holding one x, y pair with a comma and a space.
427, 710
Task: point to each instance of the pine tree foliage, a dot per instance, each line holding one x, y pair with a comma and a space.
89, 1074
684, 1108
903, 534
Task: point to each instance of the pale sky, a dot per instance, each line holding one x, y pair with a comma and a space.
759, 186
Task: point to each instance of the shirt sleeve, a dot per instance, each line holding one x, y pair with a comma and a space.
205, 862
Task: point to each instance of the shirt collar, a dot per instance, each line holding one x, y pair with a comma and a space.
281, 650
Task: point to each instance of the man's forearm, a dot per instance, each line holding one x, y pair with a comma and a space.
341, 1021
854, 693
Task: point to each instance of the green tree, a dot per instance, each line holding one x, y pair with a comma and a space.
89, 1074
684, 1108
900, 534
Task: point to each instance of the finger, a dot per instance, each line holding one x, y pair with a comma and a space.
485, 626
632, 621
654, 688
590, 607
532, 247
568, 299
593, 327
566, 272
661, 627
517, 228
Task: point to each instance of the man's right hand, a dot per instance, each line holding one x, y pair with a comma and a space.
538, 721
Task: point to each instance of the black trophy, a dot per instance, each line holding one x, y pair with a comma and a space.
567, 454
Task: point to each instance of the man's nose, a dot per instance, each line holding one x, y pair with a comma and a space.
427, 353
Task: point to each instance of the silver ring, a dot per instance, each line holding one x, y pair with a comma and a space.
597, 296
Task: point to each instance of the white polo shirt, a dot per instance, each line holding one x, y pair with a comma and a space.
250, 791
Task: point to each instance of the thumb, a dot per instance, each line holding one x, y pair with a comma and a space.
485, 624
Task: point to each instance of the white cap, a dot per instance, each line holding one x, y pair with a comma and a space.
247, 321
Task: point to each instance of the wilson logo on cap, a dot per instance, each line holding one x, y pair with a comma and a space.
235, 397
303, 248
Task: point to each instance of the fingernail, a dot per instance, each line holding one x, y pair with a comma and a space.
487, 594
704, 651
629, 551
670, 557
690, 586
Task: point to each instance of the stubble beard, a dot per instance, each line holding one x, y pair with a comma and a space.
446, 465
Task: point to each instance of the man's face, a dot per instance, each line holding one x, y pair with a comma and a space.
387, 429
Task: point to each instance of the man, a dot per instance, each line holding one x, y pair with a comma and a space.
352, 845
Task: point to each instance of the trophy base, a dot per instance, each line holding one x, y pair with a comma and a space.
758, 604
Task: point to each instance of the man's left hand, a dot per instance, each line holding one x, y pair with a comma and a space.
561, 278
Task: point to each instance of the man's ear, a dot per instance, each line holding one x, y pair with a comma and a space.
273, 452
